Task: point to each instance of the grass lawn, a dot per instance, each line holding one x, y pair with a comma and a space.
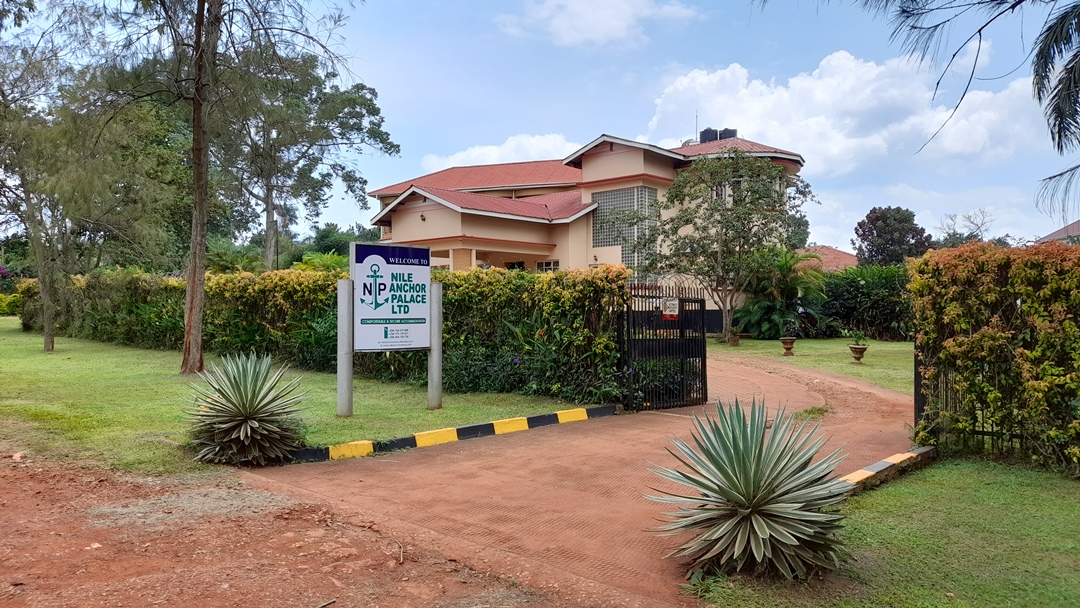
125, 406
961, 533
886, 364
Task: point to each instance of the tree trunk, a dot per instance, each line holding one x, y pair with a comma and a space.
271, 225
48, 306
37, 232
207, 26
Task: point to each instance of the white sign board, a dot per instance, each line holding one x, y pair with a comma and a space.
392, 310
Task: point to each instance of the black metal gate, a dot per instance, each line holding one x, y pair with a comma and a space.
663, 348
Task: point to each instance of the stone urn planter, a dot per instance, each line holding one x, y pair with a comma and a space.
789, 343
857, 351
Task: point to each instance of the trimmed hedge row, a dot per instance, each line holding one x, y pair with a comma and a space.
504, 331
1000, 344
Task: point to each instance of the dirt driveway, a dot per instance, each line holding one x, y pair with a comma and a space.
549, 518
561, 509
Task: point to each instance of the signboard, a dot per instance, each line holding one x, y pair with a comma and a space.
392, 309
669, 309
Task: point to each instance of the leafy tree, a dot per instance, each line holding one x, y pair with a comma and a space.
15, 253
716, 216
784, 289
888, 235
797, 232
225, 256
32, 68
296, 132
15, 12
184, 50
957, 229
332, 239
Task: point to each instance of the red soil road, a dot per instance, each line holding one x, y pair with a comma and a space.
562, 509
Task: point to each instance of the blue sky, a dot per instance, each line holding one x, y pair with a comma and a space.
499, 81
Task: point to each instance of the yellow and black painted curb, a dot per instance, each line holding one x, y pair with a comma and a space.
870, 476
359, 449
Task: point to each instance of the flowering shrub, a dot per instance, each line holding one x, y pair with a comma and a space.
999, 327
504, 331
7, 281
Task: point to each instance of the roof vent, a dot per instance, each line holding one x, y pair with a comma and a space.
707, 135
728, 133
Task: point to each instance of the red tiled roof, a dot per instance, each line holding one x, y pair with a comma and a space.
558, 206
1061, 234
832, 259
738, 143
481, 177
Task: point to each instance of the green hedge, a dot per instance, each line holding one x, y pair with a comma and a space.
872, 299
998, 334
504, 331
10, 304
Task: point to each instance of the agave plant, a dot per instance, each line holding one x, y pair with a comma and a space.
757, 497
244, 417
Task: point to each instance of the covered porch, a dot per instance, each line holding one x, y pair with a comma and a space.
464, 252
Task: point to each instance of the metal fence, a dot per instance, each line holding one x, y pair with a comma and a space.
662, 339
940, 407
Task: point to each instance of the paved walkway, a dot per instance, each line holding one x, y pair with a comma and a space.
562, 508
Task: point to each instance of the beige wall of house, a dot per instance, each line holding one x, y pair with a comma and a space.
480, 226
416, 219
609, 161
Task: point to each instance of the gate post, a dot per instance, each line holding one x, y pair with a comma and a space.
920, 396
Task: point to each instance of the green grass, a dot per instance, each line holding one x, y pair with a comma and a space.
961, 533
812, 413
886, 364
124, 407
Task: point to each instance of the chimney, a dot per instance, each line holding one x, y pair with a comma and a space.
728, 133
707, 135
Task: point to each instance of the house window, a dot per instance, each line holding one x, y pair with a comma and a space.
610, 220
515, 265
547, 266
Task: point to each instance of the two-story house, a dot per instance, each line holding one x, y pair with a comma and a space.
546, 215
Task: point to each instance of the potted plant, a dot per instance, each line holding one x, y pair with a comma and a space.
857, 345
788, 338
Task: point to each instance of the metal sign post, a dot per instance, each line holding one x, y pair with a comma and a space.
389, 308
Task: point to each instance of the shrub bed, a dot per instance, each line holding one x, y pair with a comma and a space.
550, 334
997, 332
871, 299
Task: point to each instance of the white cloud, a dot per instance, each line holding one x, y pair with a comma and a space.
516, 148
849, 112
1012, 209
593, 22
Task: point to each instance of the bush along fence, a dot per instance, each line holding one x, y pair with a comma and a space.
551, 334
999, 349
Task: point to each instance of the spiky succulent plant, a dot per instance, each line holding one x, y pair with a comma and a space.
757, 496
244, 417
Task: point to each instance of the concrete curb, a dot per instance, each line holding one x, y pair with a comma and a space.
892, 466
359, 449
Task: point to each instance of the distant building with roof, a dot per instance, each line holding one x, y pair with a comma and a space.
1070, 234
546, 215
831, 258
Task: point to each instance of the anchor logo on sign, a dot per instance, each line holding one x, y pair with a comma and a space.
374, 289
